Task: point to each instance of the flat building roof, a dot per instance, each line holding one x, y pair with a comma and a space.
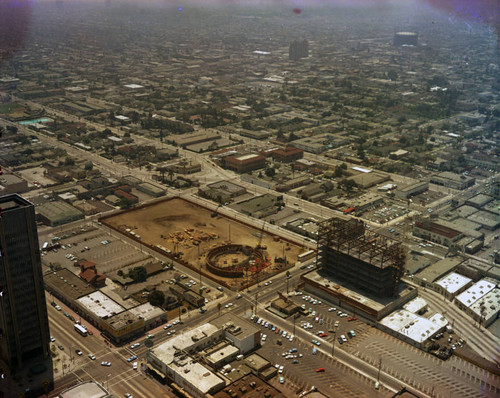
453, 282
475, 292
100, 304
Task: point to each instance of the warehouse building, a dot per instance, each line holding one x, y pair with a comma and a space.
410, 190
453, 180
58, 213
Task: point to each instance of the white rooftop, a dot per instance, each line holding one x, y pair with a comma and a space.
246, 157
122, 117
362, 169
133, 86
165, 352
146, 311
415, 305
453, 282
413, 326
489, 305
475, 292
197, 375
88, 389
100, 304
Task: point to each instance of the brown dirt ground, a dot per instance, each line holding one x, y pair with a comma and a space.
176, 215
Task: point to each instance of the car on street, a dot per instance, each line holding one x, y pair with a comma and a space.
319, 370
128, 395
135, 345
78, 352
52, 339
92, 357
60, 346
280, 370
167, 326
130, 359
282, 379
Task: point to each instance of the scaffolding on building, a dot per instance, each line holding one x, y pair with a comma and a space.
367, 259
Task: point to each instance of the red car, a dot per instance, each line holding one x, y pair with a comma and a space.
320, 370
352, 318
323, 334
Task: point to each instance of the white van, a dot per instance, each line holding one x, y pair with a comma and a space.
134, 366
239, 357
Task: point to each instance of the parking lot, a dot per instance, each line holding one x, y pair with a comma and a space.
93, 244
302, 364
399, 359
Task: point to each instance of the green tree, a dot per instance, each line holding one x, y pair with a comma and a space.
157, 298
138, 274
270, 171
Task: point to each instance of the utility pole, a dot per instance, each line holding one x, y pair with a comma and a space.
256, 293
379, 367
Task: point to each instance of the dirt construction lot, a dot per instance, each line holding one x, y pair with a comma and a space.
183, 227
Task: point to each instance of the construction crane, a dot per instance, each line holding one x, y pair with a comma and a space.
259, 245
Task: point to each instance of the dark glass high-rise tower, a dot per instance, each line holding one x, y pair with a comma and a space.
24, 326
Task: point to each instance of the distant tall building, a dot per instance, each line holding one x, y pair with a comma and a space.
24, 326
298, 49
408, 38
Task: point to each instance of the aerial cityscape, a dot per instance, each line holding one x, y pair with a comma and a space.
246, 199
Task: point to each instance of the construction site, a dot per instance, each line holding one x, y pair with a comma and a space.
369, 261
358, 270
230, 252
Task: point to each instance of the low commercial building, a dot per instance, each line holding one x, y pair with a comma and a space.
369, 179
151, 190
222, 191
173, 360
486, 219
304, 226
184, 140
245, 163
428, 276
452, 284
86, 389
481, 301
435, 232
293, 183
10, 183
260, 206
58, 213
453, 180
287, 155
410, 190
412, 328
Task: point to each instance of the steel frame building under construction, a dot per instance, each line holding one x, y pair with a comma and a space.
369, 261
